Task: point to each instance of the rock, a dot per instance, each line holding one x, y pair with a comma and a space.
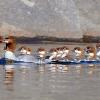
58, 18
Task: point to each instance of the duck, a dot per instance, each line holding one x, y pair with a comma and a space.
53, 54
28, 51
65, 54
90, 53
41, 53
10, 46
22, 50
59, 53
77, 53
98, 51
25, 54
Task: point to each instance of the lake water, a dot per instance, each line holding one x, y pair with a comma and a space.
50, 82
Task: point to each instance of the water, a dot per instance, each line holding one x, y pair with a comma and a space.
50, 82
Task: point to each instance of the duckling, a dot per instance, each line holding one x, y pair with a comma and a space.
53, 54
98, 51
28, 51
77, 53
41, 53
65, 53
90, 53
22, 50
59, 53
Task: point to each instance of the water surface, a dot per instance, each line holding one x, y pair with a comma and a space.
50, 82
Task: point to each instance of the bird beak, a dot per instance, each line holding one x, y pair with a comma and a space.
5, 41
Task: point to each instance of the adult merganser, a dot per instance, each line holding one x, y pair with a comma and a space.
10, 48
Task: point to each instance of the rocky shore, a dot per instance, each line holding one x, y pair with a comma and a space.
58, 18
51, 21
52, 40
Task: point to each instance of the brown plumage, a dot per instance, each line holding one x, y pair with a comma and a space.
91, 50
98, 45
11, 44
79, 55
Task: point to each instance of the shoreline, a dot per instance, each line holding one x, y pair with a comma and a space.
54, 40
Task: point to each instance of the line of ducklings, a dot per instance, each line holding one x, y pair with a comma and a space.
64, 53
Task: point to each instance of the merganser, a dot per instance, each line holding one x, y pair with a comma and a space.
28, 51
77, 53
59, 53
10, 48
25, 55
98, 51
90, 53
23, 50
41, 53
65, 53
53, 54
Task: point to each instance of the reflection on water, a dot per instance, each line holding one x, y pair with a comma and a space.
9, 76
91, 69
50, 82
